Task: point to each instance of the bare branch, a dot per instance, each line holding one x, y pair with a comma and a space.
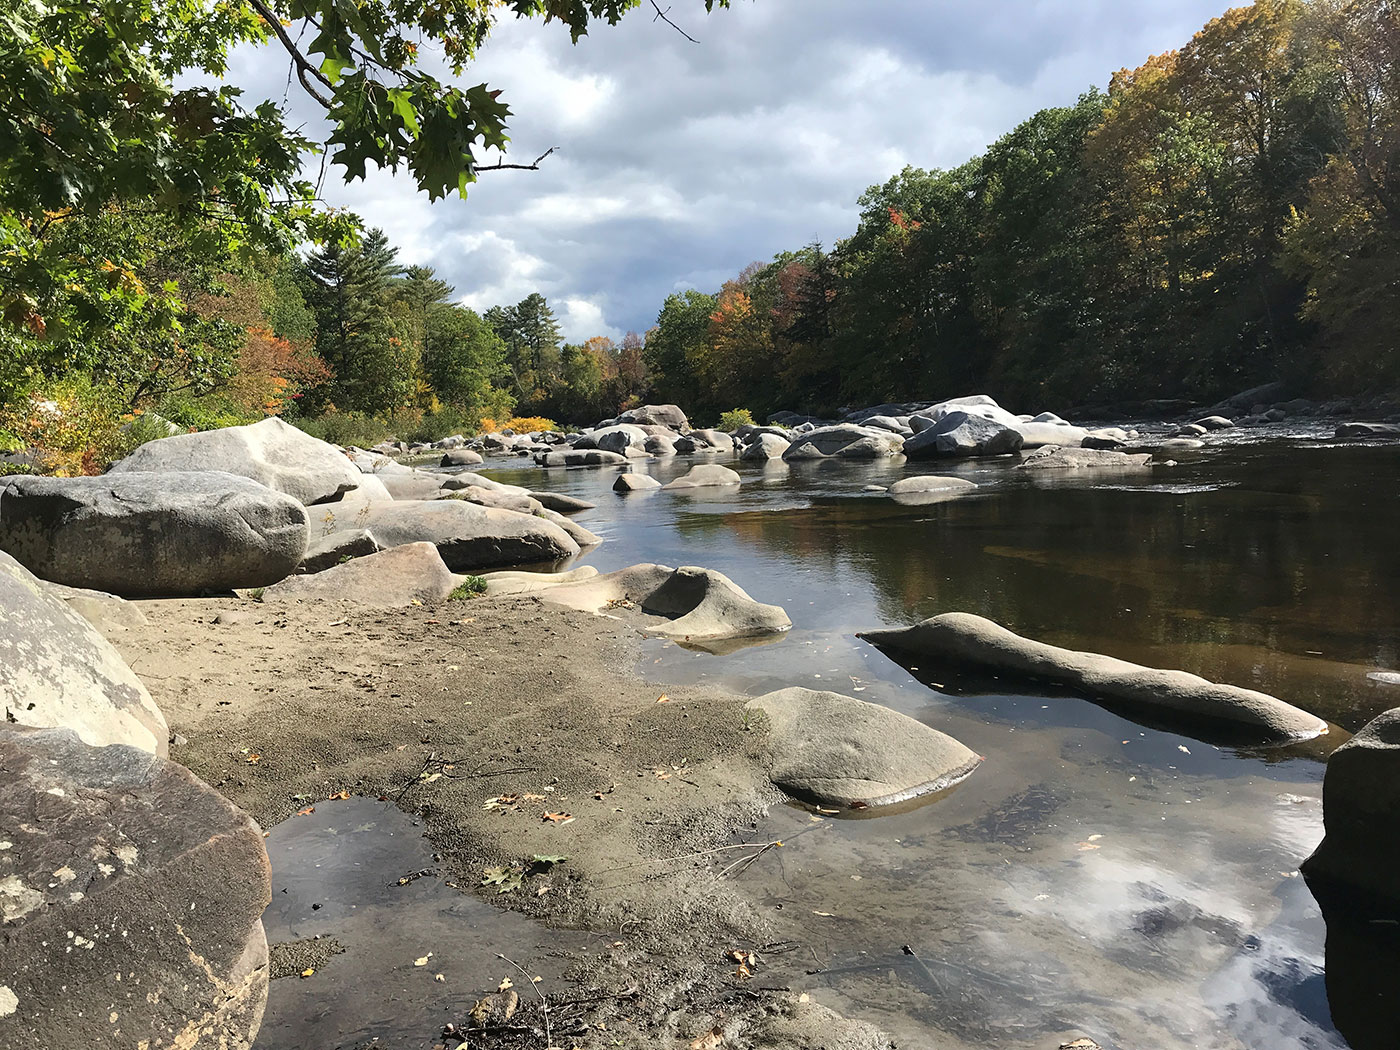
660, 14
303, 64
502, 166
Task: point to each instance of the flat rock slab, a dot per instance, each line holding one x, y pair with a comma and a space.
580, 458
635, 483
839, 751
559, 502
930, 483
272, 453
57, 671
1054, 458
468, 536
1361, 815
961, 638
705, 475
98, 607
399, 576
153, 535
513, 581
132, 895
338, 548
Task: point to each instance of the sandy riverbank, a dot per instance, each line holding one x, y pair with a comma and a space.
444, 710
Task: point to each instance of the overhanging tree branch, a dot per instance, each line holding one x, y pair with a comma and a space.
303, 65
501, 166
660, 14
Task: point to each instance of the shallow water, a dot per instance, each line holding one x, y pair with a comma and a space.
1096, 876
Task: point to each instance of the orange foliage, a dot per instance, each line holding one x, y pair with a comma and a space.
273, 371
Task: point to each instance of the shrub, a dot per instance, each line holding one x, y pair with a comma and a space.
520, 424
735, 418
346, 428
74, 425
468, 588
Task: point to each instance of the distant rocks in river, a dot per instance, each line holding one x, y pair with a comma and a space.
1361, 815
835, 750
635, 483
132, 895
964, 639
843, 441
1054, 459
705, 475
1351, 431
586, 458
56, 670
153, 534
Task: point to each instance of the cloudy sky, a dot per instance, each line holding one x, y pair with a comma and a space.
678, 163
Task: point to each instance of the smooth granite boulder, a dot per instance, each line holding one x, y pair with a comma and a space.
1215, 423
715, 439
102, 610
272, 453
958, 433
1055, 459
413, 572
619, 438
838, 751
460, 457
581, 458
338, 548
558, 501
844, 441
152, 535
514, 581
930, 483
765, 447
57, 671
1367, 430
964, 639
656, 415
705, 475
132, 896
468, 536
635, 483
1361, 815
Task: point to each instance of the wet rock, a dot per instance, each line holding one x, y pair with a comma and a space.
1214, 423
580, 458
796, 1023
961, 638
272, 453
844, 441
1060, 459
1347, 431
1190, 430
836, 750
959, 434
563, 504
413, 572
635, 483
468, 536
1361, 816
460, 457
705, 475
145, 535
132, 895
765, 446
930, 483
1100, 443
56, 670
339, 547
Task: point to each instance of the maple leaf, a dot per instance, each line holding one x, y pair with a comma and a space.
558, 818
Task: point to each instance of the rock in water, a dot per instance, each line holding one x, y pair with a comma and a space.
460, 457
580, 458
1361, 816
153, 535
468, 536
561, 503
844, 441
132, 896
959, 433
930, 483
635, 483
1053, 458
272, 453
765, 446
1367, 430
962, 638
389, 579
56, 670
706, 475
836, 750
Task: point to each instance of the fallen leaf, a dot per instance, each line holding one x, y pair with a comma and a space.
824, 914
1183, 749
306, 812
558, 818
1085, 847
1094, 838
527, 797
253, 759
711, 1040
308, 971
1081, 1044
663, 699
341, 795
422, 960
505, 983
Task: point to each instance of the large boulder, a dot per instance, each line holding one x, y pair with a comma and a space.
580, 458
964, 639
562, 503
1361, 815
656, 415
468, 536
149, 535
715, 439
765, 447
619, 438
844, 441
957, 433
132, 896
660, 446
1053, 459
56, 670
460, 457
1367, 430
413, 572
635, 483
272, 453
705, 475
838, 751
1038, 433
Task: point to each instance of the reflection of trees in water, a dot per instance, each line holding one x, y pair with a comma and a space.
1239, 583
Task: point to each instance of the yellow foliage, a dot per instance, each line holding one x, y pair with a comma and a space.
520, 424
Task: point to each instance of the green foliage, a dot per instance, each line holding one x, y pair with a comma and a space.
471, 587
347, 428
735, 418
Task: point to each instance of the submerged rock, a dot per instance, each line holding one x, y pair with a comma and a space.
1057, 459
962, 638
132, 895
413, 572
836, 750
153, 535
57, 671
705, 475
272, 453
930, 483
1361, 816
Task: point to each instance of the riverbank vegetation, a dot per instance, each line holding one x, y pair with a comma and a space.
1224, 214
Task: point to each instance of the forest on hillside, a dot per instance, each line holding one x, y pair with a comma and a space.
1225, 214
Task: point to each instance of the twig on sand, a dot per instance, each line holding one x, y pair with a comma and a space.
741, 865
544, 1003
